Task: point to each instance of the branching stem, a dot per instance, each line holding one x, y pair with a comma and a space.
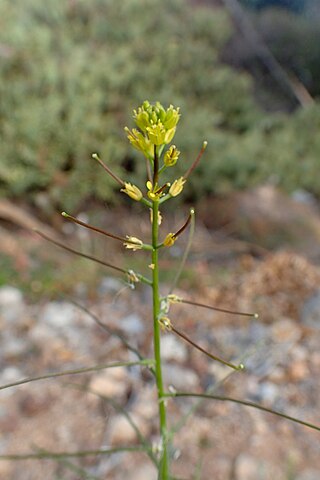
156, 340
246, 404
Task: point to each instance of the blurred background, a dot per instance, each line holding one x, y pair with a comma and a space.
246, 75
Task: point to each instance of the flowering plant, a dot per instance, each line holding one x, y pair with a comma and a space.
156, 127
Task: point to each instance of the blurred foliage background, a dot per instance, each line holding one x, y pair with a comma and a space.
72, 71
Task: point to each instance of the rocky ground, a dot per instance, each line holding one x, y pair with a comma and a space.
219, 440
228, 441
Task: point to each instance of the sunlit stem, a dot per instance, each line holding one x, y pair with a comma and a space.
197, 160
95, 368
245, 403
213, 357
91, 227
186, 252
82, 453
140, 277
182, 229
103, 232
217, 309
185, 225
76, 252
156, 340
107, 169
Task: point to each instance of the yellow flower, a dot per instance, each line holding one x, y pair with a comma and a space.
157, 134
133, 243
172, 298
139, 141
171, 118
152, 191
141, 118
132, 191
171, 156
177, 187
169, 240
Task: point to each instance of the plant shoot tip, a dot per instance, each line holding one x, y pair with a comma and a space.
241, 366
256, 315
64, 214
95, 156
192, 211
205, 144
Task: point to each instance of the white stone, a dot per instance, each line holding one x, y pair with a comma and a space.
41, 333
11, 304
121, 432
309, 474
10, 296
144, 472
173, 349
268, 392
132, 325
286, 330
310, 314
146, 405
14, 347
59, 314
251, 468
111, 383
110, 285
180, 378
10, 374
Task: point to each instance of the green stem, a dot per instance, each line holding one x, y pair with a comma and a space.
246, 404
80, 454
163, 472
95, 368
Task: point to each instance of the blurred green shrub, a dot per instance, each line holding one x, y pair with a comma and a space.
71, 71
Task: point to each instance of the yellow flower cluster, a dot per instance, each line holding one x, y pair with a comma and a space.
156, 127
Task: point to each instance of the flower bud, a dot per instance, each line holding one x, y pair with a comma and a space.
172, 117
169, 135
133, 243
132, 191
177, 187
142, 119
169, 240
139, 141
165, 323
